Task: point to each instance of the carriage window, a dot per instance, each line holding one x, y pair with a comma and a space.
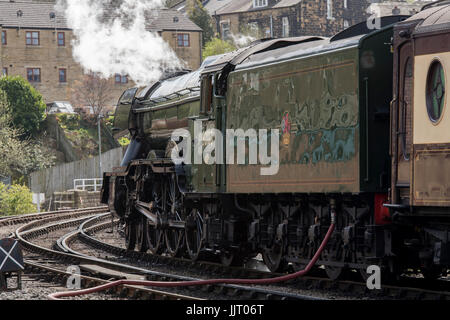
405, 118
207, 87
435, 91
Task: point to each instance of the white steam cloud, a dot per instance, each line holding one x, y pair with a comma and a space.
111, 37
241, 40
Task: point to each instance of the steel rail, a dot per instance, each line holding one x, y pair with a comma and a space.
190, 281
407, 291
31, 230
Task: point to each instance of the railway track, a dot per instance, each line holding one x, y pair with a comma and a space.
51, 265
91, 226
28, 236
84, 224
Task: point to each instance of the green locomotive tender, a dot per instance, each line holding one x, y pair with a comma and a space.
324, 104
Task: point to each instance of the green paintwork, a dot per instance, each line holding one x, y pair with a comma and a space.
332, 110
318, 98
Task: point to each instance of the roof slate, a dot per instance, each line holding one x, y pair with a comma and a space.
37, 15
247, 5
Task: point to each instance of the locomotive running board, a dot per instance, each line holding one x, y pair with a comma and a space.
144, 208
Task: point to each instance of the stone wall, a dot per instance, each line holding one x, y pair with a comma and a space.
72, 199
308, 17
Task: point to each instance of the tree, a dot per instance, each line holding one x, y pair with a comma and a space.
20, 156
200, 16
27, 106
92, 91
217, 46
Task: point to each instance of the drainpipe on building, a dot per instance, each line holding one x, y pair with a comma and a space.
200, 40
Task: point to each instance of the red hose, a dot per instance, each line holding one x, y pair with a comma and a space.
56, 296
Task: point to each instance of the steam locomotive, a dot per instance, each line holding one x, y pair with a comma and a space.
359, 124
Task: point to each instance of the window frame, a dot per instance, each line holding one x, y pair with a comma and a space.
428, 99
4, 38
63, 39
330, 10
222, 29
183, 40
33, 75
31, 38
121, 77
284, 26
65, 75
4, 71
260, 3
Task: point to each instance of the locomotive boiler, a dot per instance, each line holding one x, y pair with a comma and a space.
361, 129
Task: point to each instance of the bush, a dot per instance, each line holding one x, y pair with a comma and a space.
15, 200
124, 141
217, 46
109, 122
69, 121
27, 106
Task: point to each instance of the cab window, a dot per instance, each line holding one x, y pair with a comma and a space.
207, 90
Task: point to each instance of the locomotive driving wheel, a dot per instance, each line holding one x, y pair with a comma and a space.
274, 254
154, 234
334, 256
141, 234
174, 237
194, 234
130, 235
273, 258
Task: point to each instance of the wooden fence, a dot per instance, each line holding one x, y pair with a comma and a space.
60, 178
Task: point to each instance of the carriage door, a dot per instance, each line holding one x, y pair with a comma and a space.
404, 121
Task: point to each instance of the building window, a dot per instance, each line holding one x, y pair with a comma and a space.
62, 75
4, 41
346, 24
345, 4
4, 71
32, 38
259, 3
330, 9
183, 40
253, 29
225, 28
61, 39
34, 74
285, 27
119, 79
435, 91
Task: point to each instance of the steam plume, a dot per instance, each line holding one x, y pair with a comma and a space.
111, 37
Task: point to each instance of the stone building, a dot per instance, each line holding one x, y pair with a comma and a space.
288, 18
36, 44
